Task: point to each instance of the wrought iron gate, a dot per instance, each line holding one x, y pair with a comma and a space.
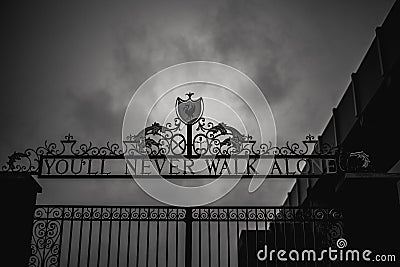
170, 236
173, 236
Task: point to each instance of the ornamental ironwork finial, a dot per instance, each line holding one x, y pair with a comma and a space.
189, 94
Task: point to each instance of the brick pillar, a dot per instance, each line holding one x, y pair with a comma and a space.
18, 199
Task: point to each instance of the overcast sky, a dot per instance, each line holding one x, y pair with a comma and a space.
72, 66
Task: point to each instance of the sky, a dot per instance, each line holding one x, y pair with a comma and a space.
72, 66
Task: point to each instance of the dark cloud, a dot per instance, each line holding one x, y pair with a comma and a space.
93, 114
73, 66
244, 36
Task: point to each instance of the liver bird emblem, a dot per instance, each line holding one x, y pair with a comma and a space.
189, 111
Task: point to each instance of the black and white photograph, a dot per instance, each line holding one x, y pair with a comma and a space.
225, 133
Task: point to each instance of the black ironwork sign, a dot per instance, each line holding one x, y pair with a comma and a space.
190, 146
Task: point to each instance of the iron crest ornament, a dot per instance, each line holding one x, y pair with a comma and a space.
189, 111
213, 143
217, 149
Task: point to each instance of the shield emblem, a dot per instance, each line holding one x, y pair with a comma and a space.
189, 111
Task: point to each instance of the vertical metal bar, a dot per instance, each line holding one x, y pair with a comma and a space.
229, 237
166, 240
275, 238
129, 238
70, 236
219, 239
294, 231
304, 237
313, 233
47, 222
61, 236
148, 237
80, 237
137, 240
247, 237
256, 241
265, 230
109, 238
99, 244
284, 231
237, 236
119, 235
199, 237
157, 234
188, 237
189, 139
176, 238
90, 237
209, 237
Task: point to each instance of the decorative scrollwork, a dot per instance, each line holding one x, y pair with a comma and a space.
49, 220
309, 145
29, 160
328, 232
45, 244
214, 139
267, 214
220, 139
355, 162
154, 140
76, 213
157, 140
149, 213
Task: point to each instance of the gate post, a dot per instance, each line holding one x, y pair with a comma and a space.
18, 199
188, 237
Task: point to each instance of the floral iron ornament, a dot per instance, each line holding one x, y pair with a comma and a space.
203, 139
158, 141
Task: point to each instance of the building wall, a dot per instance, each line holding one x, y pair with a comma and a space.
363, 118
